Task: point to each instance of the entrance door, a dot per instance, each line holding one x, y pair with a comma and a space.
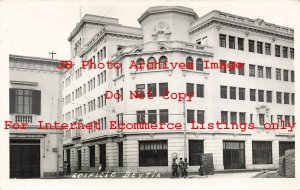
24, 158
103, 156
68, 160
234, 155
79, 160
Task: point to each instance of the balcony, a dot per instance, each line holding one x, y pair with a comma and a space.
23, 118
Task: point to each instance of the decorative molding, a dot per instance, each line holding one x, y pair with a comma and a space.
25, 83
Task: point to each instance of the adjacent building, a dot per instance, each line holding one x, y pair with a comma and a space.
34, 95
261, 91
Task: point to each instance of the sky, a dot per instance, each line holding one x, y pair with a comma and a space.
35, 28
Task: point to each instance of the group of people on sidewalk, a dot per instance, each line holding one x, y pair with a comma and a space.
179, 169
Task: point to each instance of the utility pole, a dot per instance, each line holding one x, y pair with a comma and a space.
184, 128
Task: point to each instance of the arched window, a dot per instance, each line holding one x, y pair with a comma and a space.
140, 63
151, 63
163, 60
189, 63
199, 64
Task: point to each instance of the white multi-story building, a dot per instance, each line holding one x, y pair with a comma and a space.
34, 95
261, 91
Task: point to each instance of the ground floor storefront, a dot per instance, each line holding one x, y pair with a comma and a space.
155, 151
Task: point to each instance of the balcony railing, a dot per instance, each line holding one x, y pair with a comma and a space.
23, 118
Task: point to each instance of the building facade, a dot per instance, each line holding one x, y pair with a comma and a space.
34, 95
261, 91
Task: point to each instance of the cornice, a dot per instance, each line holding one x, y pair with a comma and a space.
241, 26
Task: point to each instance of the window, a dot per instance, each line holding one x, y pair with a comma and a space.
268, 72
269, 96
121, 91
231, 42
140, 64
196, 147
279, 119
252, 95
232, 70
260, 70
292, 76
120, 153
222, 40
199, 64
252, 70
242, 116
163, 116
242, 69
153, 153
152, 116
278, 74
232, 93
190, 116
251, 46
283, 146
224, 117
285, 75
140, 88
259, 47
286, 98
277, 50
189, 63
287, 120
292, 53
233, 116
278, 97
152, 89
119, 118
223, 92
200, 90
163, 89
241, 44
92, 156
268, 49
151, 63
261, 119
241, 93
260, 95
104, 52
293, 99
140, 116
223, 69
200, 116
262, 152
162, 61
22, 101
285, 52
190, 88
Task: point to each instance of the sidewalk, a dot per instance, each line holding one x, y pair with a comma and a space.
242, 174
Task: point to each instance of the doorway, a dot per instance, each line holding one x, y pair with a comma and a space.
24, 158
234, 155
103, 156
79, 160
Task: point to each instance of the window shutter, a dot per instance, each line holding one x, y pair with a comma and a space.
36, 102
12, 101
